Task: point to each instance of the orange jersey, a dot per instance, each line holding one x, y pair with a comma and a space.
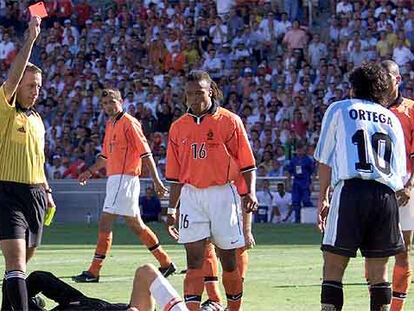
124, 145
404, 110
209, 150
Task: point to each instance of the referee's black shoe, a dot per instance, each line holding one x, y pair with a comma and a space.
85, 277
167, 271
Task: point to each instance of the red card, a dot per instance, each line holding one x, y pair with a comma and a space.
38, 9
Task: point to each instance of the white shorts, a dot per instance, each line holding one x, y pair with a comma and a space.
213, 212
122, 195
407, 214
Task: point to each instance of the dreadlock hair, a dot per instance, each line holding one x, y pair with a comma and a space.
200, 75
371, 82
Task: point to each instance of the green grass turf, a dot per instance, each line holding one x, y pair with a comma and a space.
284, 271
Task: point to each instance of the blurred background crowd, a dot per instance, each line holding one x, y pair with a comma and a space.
279, 63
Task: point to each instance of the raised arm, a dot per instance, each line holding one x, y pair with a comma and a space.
20, 62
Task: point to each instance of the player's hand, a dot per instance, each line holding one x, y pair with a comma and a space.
249, 203
249, 240
83, 177
160, 189
173, 232
50, 201
34, 28
403, 196
171, 229
323, 209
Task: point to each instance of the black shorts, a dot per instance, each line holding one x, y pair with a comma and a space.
22, 211
363, 214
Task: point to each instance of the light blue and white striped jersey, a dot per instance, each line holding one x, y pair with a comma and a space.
361, 139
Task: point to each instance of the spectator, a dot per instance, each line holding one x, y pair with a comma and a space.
402, 54
174, 60
282, 205
265, 197
150, 206
295, 38
6, 46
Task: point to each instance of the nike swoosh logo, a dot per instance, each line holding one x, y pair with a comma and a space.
234, 242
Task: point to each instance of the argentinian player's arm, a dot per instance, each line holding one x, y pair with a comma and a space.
325, 149
324, 172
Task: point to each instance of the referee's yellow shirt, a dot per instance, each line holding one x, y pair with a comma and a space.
22, 142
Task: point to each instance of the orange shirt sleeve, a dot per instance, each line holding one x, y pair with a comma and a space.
239, 147
172, 169
135, 135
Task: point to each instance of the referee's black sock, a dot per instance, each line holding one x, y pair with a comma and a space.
16, 289
380, 296
332, 296
5, 303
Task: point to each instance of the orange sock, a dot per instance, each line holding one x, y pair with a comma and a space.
102, 249
233, 285
210, 270
242, 258
193, 288
150, 240
401, 280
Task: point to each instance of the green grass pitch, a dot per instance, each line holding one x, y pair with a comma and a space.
284, 270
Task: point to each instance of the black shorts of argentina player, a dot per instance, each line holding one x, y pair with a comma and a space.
361, 154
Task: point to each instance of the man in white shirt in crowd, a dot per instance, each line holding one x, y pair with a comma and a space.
401, 53
344, 7
265, 198
316, 50
218, 32
6, 46
282, 205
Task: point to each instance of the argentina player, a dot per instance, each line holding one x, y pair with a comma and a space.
361, 154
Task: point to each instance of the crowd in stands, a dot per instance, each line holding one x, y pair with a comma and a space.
277, 71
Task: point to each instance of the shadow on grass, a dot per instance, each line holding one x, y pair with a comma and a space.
316, 285
265, 234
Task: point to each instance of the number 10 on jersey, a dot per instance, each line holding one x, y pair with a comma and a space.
381, 146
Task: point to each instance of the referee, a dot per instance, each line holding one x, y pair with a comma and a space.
24, 191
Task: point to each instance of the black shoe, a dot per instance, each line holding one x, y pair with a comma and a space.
85, 277
166, 272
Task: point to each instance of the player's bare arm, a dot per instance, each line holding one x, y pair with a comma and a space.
98, 165
175, 191
159, 187
19, 65
404, 194
250, 200
323, 202
247, 229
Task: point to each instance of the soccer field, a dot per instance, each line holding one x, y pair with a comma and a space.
284, 271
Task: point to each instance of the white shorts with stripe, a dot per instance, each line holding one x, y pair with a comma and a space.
213, 212
122, 195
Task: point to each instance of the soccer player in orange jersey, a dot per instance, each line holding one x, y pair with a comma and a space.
125, 149
403, 108
207, 150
